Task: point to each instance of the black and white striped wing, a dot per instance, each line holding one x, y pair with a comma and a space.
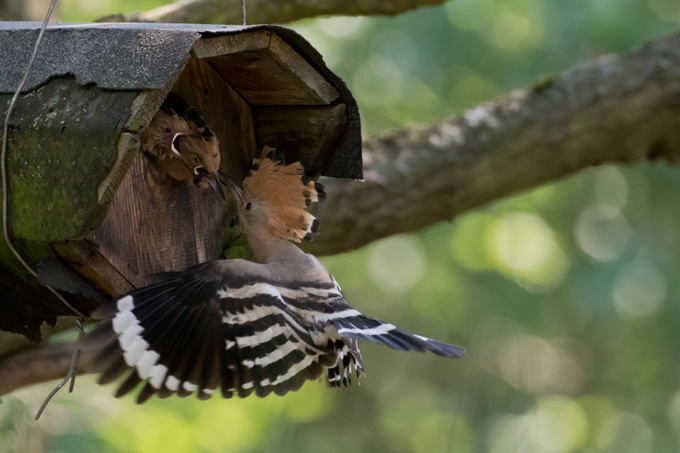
201, 330
360, 327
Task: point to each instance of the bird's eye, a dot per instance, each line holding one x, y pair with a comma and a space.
248, 206
168, 130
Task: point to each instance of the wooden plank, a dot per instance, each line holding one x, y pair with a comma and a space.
83, 257
142, 110
156, 225
225, 45
305, 134
228, 115
271, 75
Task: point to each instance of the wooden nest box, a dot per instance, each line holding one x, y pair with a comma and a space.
80, 189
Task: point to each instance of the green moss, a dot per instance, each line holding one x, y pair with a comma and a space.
239, 248
543, 84
62, 145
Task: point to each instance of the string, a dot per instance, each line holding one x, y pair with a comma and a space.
5, 215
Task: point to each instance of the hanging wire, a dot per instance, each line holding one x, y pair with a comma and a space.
5, 215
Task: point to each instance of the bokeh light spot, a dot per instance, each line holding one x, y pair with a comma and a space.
379, 82
602, 232
470, 14
639, 289
611, 187
342, 27
525, 248
624, 432
666, 9
443, 432
533, 365
467, 241
509, 29
397, 264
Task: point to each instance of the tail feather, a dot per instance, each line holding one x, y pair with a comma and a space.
365, 328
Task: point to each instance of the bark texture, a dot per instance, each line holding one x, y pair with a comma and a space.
267, 11
622, 109
616, 108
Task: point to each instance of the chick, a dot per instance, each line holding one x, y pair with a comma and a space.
181, 144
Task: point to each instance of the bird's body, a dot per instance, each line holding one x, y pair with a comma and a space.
181, 144
266, 325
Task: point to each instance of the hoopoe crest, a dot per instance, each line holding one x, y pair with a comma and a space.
279, 194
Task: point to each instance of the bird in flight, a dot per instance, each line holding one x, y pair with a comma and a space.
263, 326
181, 144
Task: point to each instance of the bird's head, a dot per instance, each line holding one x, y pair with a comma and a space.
274, 197
200, 153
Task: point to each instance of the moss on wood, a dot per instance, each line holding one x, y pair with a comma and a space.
62, 145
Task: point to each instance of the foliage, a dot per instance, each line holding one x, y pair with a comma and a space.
564, 297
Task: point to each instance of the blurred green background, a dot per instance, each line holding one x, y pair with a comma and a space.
566, 297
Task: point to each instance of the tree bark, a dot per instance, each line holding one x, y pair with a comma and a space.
40, 364
616, 108
267, 11
620, 109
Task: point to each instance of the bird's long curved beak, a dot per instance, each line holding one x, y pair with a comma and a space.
214, 181
236, 190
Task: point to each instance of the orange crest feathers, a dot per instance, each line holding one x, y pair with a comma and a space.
286, 191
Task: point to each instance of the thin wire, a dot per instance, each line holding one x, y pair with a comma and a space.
73, 370
3, 162
243, 12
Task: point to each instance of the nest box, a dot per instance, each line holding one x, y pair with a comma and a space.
79, 188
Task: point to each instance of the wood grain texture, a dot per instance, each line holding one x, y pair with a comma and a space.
83, 257
142, 110
271, 75
227, 114
156, 225
229, 44
305, 134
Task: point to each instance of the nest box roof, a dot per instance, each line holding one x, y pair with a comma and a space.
143, 56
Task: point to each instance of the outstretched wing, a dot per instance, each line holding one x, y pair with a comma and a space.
222, 324
362, 327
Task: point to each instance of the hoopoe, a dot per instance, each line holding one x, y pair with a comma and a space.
262, 326
181, 144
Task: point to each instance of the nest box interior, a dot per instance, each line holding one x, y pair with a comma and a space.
92, 199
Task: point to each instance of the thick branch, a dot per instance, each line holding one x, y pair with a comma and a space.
614, 109
268, 11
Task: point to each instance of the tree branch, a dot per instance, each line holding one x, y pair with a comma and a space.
267, 11
614, 109
618, 108
39, 364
